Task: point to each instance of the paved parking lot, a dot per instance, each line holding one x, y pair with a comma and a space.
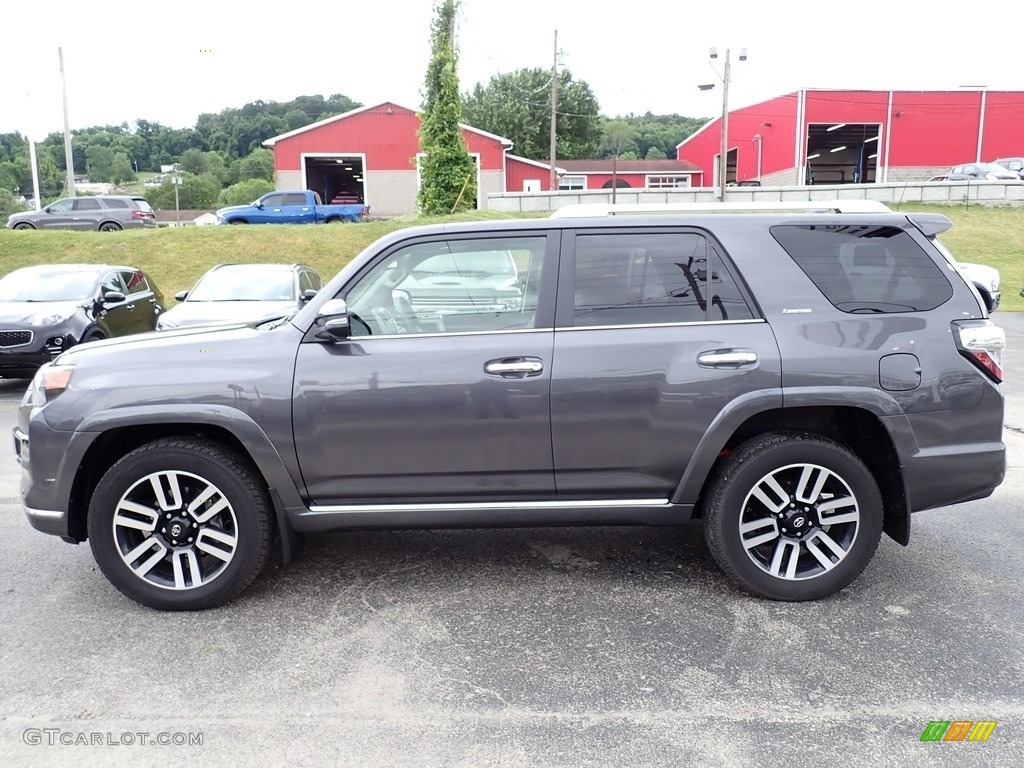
544, 647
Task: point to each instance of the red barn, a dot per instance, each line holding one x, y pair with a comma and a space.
372, 154
835, 137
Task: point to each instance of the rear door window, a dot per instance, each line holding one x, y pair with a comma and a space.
633, 278
866, 269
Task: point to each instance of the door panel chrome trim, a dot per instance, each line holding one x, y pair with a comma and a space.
697, 324
657, 503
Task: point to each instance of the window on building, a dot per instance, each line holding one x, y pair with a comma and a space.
569, 183
668, 182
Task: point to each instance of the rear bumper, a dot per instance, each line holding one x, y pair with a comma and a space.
954, 474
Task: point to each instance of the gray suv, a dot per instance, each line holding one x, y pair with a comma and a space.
799, 380
103, 213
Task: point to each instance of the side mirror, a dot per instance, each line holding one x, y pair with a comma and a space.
181, 295
258, 204
307, 294
113, 297
332, 321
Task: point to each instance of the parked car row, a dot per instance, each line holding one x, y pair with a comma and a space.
45, 310
1005, 169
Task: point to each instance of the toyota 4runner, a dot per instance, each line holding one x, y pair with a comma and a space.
800, 378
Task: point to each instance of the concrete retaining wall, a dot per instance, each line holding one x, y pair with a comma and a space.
949, 192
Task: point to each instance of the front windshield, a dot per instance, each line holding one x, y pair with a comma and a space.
31, 285
245, 284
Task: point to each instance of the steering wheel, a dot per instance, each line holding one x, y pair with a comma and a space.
405, 314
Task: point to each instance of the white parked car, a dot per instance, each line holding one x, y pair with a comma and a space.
986, 280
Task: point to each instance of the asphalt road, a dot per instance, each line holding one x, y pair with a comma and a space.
545, 647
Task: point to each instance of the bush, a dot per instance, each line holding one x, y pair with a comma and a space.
245, 192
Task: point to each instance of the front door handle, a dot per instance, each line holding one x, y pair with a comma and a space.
514, 367
727, 358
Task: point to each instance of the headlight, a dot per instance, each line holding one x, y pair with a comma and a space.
53, 318
49, 382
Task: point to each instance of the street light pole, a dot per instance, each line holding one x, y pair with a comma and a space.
723, 157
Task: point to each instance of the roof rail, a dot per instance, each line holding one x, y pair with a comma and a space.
619, 209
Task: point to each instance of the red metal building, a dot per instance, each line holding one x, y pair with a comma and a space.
830, 137
372, 153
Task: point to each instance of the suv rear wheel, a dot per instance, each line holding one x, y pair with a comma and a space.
180, 524
793, 516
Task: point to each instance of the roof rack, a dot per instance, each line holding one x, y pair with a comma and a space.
620, 209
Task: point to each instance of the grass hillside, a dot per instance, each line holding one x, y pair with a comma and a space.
175, 257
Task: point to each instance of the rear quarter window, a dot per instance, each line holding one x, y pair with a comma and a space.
115, 203
866, 269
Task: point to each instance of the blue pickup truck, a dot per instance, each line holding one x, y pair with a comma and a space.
292, 207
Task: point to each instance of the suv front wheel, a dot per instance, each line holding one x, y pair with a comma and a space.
180, 524
793, 516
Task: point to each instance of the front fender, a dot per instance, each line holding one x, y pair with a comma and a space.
238, 423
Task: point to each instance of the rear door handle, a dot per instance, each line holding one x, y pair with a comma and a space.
514, 367
727, 358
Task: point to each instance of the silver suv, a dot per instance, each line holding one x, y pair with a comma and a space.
800, 379
103, 213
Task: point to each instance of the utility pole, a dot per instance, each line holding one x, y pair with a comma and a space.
69, 158
553, 183
35, 172
723, 157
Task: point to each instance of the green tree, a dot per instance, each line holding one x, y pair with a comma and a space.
194, 161
100, 163
655, 153
194, 192
447, 172
517, 105
296, 118
618, 138
245, 192
259, 164
9, 204
664, 132
121, 170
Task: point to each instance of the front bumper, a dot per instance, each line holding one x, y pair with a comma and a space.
48, 460
21, 361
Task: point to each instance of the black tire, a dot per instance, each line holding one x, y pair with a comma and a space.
238, 221
92, 336
110, 226
233, 521
788, 533
23, 225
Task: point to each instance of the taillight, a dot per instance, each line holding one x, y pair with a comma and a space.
981, 342
140, 215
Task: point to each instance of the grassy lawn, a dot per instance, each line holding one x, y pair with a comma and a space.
176, 257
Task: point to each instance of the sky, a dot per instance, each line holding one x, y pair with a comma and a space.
170, 62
